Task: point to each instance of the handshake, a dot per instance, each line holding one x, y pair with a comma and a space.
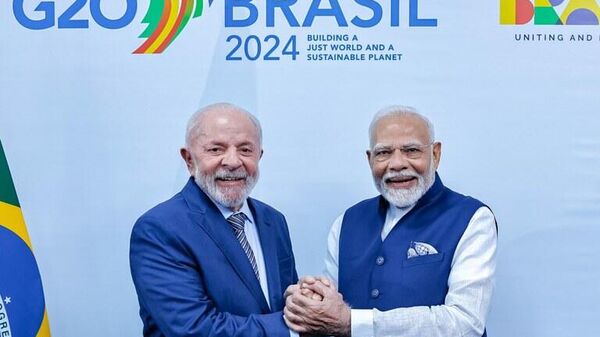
314, 306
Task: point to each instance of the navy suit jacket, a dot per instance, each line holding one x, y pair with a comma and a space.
193, 278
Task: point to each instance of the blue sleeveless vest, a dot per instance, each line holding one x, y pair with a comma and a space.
376, 274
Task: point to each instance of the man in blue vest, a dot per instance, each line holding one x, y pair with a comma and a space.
418, 260
212, 261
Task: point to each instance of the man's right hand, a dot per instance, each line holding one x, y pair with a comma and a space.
314, 306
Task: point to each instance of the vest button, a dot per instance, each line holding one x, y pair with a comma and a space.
375, 293
379, 260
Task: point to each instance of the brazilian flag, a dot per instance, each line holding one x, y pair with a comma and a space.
22, 306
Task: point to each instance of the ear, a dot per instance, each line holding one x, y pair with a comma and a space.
187, 157
437, 153
369, 157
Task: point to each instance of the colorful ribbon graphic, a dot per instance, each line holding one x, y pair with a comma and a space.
166, 19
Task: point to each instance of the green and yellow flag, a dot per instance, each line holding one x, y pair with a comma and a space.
22, 305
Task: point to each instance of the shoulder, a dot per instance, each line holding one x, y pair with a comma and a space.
163, 218
480, 215
364, 205
166, 208
266, 209
367, 203
461, 201
368, 210
485, 220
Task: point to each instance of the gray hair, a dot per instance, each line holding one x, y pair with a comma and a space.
399, 111
194, 122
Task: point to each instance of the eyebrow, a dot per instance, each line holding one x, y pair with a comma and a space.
382, 146
225, 144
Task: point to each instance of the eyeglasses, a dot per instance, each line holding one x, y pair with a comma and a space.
414, 151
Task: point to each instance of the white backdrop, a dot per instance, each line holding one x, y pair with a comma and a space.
92, 133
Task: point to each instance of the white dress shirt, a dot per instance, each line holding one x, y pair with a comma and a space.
254, 242
470, 286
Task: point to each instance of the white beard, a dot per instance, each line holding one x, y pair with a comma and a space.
405, 197
230, 197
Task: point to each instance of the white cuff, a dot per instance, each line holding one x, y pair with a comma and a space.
361, 322
293, 333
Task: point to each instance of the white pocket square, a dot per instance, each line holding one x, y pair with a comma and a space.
419, 249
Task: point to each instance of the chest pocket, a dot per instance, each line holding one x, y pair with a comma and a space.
424, 259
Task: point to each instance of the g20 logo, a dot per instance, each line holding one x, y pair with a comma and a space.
165, 19
65, 19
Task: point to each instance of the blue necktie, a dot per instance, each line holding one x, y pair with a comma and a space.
237, 221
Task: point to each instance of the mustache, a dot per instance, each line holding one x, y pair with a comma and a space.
236, 174
401, 175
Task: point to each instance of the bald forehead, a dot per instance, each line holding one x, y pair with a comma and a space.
407, 127
219, 119
222, 115
407, 121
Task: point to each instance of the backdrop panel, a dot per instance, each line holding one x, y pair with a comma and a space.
94, 98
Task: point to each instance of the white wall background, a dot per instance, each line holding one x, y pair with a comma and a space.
92, 133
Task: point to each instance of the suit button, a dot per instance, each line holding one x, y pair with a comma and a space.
379, 260
375, 293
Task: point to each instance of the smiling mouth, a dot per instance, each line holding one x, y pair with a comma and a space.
399, 180
230, 179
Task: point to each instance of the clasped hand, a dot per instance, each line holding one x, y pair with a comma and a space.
314, 306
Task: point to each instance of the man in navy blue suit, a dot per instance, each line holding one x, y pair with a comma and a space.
211, 261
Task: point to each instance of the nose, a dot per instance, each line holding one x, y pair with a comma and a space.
231, 159
397, 161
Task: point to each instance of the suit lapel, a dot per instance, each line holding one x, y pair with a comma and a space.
208, 216
268, 242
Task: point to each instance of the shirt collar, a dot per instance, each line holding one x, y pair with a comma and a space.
397, 213
227, 212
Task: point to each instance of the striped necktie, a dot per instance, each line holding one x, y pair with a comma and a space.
237, 221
